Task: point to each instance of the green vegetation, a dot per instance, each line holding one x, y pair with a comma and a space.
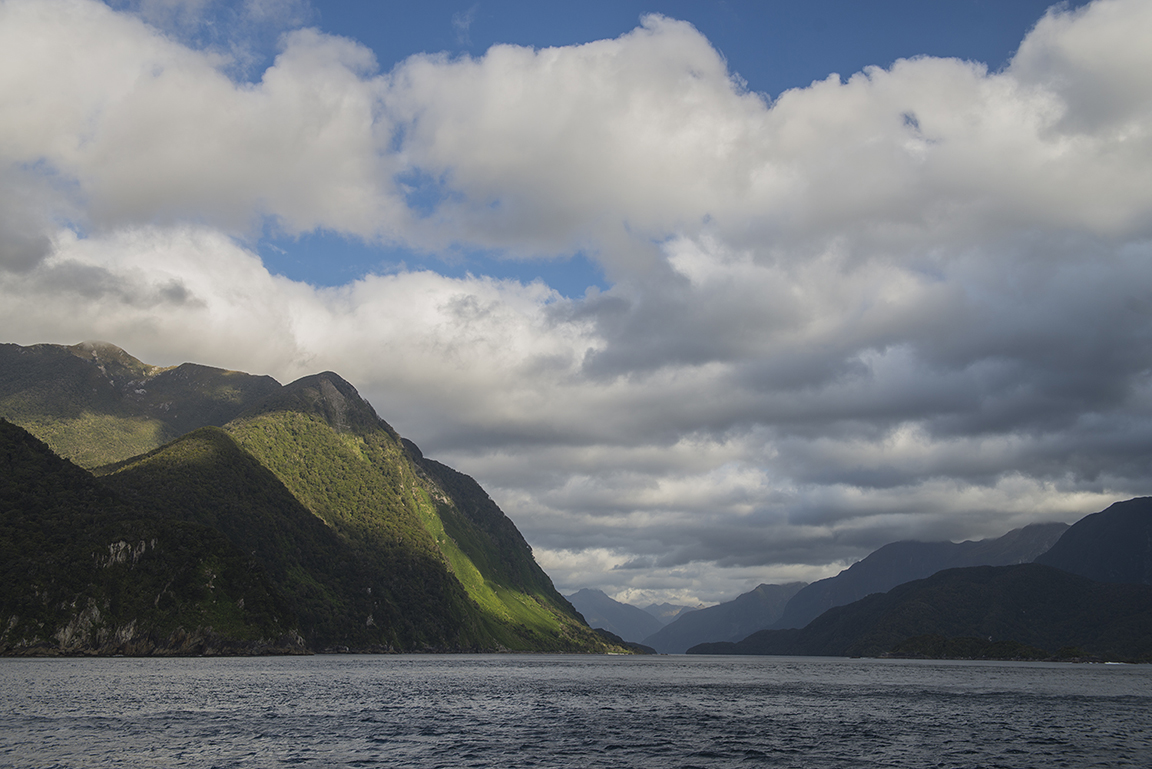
84, 571
95, 404
93, 439
373, 546
346, 466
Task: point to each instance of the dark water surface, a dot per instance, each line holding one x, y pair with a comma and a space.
570, 711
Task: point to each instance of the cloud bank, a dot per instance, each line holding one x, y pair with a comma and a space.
909, 303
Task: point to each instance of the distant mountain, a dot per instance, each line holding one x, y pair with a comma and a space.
901, 562
374, 545
622, 619
730, 621
667, 612
84, 570
1111, 546
1026, 608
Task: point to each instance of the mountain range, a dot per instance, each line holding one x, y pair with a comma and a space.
668, 612
337, 533
1028, 611
729, 621
901, 562
1112, 546
193, 510
1090, 594
625, 620
796, 604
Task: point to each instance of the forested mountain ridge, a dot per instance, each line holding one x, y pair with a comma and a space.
83, 570
375, 546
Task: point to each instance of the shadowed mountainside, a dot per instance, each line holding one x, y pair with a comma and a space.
730, 621
668, 612
1114, 545
85, 571
93, 403
1027, 605
901, 562
625, 620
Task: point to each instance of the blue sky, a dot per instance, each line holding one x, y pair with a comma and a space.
697, 315
772, 46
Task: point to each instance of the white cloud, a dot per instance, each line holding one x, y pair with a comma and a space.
909, 303
148, 131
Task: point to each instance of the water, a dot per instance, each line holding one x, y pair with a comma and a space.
570, 711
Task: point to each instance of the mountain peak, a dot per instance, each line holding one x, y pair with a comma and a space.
329, 396
111, 360
1114, 545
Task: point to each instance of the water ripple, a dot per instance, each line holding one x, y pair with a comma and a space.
570, 711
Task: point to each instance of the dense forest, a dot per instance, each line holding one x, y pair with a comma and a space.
355, 538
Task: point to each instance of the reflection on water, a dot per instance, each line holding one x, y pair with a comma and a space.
570, 711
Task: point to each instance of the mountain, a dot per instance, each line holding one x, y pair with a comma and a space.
622, 619
96, 404
205, 477
667, 612
730, 621
375, 546
901, 562
1025, 610
1110, 546
85, 571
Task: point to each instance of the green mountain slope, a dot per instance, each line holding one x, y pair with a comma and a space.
462, 560
85, 571
205, 477
1026, 605
93, 403
375, 546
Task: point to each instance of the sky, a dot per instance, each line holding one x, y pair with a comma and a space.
705, 295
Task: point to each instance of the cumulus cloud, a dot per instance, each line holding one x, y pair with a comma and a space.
148, 131
908, 303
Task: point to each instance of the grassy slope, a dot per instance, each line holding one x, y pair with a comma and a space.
480, 533
70, 402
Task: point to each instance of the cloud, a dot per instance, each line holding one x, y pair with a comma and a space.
462, 24
909, 303
148, 131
